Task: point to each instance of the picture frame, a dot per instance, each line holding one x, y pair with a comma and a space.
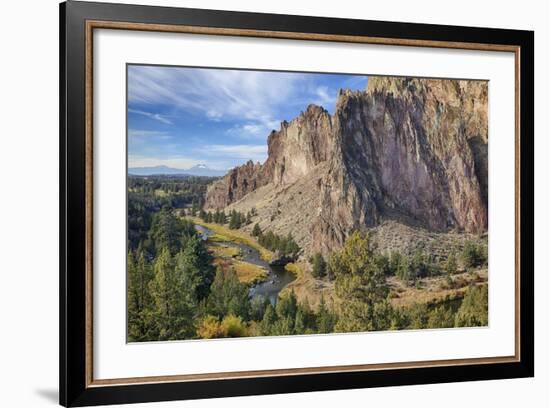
79, 21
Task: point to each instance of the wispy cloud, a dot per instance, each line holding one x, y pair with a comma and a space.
155, 116
254, 96
220, 117
323, 97
235, 152
253, 130
138, 133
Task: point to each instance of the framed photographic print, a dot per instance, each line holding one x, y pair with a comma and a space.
255, 203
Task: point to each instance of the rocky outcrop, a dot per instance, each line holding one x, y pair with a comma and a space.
237, 183
412, 150
292, 152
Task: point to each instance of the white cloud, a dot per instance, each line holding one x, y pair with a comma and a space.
156, 116
254, 129
323, 97
138, 134
236, 152
218, 94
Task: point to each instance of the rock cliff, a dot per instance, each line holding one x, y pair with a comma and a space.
411, 150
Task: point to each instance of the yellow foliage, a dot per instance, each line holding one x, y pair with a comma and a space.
233, 326
209, 328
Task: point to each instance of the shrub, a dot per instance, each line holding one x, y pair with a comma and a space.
209, 328
474, 255
450, 264
233, 326
474, 308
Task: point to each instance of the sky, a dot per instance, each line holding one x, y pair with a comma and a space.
181, 117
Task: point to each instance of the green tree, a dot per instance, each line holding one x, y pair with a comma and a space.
193, 264
319, 265
287, 305
474, 255
291, 248
167, 230
451, 264
139, 297
235, 220
174, 302
268, 321
325, 319
474, 310
228, 296
361, 286
258, 304
256, 231
441, 317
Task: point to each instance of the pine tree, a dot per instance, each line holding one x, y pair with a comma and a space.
139, 297
193, 265
256, 231
173, 301
325, 319
319, 265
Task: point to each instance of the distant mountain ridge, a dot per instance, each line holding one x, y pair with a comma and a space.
197, 170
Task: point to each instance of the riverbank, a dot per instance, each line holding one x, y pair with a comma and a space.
226, 234
306, 287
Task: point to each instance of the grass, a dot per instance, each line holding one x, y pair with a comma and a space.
305, 286
435, 289
223, 233
247, 273
220, 251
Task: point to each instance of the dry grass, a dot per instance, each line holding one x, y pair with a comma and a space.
223, 233
434, 289
247, 273
220, 251
307, 287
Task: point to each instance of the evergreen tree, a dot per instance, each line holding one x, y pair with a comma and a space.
228, 296
166, 231
474, 308
451, 264
441, 317
325, 319
139, 297
269, 320
474, 256
193, 264
256, 231
234, 220
319, 265
173, 300
361, 286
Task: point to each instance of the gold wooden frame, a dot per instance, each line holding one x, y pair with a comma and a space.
99, 24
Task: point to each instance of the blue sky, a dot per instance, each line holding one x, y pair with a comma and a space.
181, 117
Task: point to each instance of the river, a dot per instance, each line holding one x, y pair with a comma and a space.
277, 278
